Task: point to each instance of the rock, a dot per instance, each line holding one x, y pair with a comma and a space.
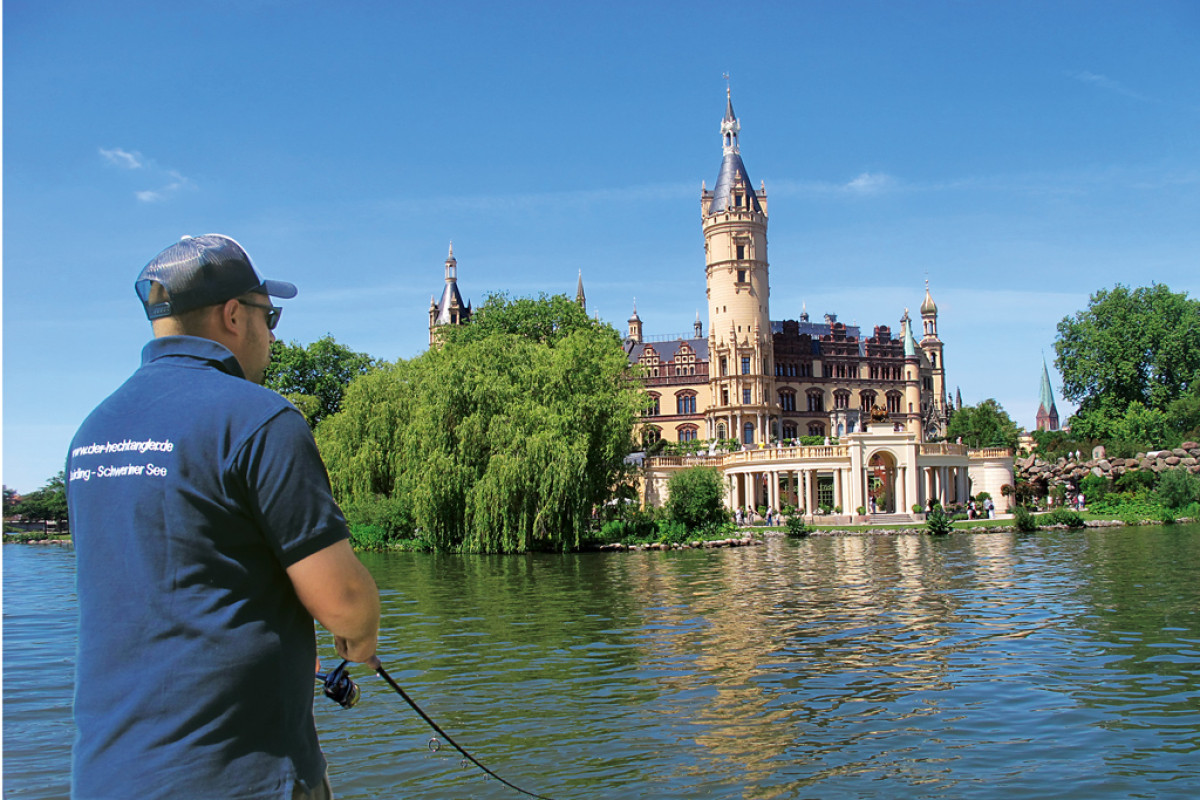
1105, 464
1172, 461
1179, 452
1099, 473
1188, 462
1190, 445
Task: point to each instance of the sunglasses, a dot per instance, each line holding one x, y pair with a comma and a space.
273, 313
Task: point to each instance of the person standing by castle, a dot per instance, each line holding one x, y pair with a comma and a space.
207, 540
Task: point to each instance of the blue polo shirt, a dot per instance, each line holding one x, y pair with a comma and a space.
191, 490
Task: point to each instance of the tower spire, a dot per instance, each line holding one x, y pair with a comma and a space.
1047, 415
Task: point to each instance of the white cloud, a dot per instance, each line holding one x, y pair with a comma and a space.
173, 181
122, 158
870, 183
1106, 83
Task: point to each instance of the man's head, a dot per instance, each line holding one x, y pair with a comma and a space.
206, 286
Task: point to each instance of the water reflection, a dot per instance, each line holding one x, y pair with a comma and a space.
1058, 664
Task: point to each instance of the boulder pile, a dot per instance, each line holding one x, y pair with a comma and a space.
1073, 470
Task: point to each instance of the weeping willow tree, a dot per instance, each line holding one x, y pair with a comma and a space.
503, 439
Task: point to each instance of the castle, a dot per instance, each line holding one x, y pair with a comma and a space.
760, 380
769, 384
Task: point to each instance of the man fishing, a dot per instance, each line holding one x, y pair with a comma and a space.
207, 540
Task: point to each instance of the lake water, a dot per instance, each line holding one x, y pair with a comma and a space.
1052, 665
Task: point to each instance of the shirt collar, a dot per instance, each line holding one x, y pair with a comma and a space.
192, 348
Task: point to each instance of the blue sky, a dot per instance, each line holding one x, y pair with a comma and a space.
1018, 155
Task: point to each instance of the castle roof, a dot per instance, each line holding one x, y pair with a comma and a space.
910, 342
450, 297
733, 172
669, 349
928, 307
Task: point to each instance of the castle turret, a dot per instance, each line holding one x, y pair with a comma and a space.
734, 221
938, 412
635, 326
911, 410
450, 310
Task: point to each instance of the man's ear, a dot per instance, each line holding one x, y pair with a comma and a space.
232, 317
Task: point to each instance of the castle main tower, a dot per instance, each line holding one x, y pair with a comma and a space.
734, 221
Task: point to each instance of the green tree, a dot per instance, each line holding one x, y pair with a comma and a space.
694, 498
315, 377
501, 439
47, 504
984, 425
1128, 346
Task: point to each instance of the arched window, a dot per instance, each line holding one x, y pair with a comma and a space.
789, 429
816, 400
816, 429
893, 402
653, 411
721, 430
787, 400
748, 433
687, 433
685, 402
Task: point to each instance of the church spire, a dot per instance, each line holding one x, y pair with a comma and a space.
1047, 415
580, 298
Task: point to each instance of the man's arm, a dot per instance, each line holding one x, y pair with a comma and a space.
340, 594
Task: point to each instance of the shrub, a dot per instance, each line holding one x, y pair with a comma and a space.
1095, 487
1136, 479
796, 527
1024, 520
1065, 516
938, 522
695, 498
917, 508
1177, 488
672, 531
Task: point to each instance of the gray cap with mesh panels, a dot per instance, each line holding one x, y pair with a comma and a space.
199, 271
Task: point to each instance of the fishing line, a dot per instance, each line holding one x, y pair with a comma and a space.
335, 689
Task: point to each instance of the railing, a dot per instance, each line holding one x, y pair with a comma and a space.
991, 452
943, 449
754, 456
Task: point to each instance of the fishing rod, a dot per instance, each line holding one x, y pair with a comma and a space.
340, 688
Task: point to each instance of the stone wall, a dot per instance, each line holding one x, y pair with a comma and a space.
1071, 470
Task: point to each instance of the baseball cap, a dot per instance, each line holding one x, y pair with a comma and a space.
199, 271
